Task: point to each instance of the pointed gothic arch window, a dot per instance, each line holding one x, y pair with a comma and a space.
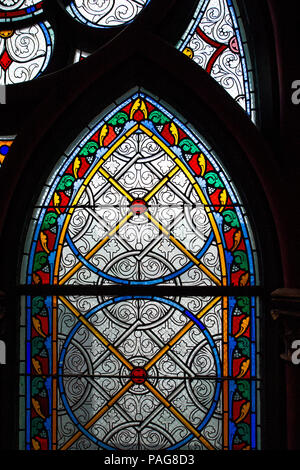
141, 232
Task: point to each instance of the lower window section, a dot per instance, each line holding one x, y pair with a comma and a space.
139, 373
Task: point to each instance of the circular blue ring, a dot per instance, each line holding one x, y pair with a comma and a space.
134, 297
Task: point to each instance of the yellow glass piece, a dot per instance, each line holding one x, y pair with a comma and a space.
188, 52
6, 34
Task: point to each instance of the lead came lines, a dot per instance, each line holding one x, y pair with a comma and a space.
134, 203
128, 364
146, 213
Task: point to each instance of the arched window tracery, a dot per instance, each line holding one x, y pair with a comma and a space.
139, 201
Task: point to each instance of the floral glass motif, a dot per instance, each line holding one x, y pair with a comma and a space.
215, 41
25, 53
138, 201
105, 13
16, 10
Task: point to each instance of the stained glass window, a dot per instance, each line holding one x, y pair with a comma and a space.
139, 201
16, 10
215, 40
25, 53
107, 13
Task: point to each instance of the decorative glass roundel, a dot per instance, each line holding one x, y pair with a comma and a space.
16, 10
139, 201
105, 13
25, 53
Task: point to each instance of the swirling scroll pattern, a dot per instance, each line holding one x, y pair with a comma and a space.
27, 53
106, 13
216, 21
139, 251
212, 42
138, 328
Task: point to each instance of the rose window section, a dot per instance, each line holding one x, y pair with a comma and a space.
106, 13
25, 53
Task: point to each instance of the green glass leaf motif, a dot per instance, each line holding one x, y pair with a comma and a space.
37, 305
244, 389
49, 220
188, 146
65, 183
243, 430
230, 218
158, 117
37, 345
40, 260
119, 119
241, 260
37, 426
243, 345
244, 304
214, 180
89, 148
37, 386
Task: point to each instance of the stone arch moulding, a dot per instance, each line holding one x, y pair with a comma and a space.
194, 95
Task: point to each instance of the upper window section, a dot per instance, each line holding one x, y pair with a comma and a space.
215, 40
15, 10
105, 13
141, 200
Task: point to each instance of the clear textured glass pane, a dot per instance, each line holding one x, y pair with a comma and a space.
141, 372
